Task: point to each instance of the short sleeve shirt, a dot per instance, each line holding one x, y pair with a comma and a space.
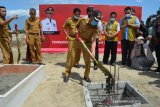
33, 26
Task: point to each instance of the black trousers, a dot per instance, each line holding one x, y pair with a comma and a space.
127, 47
110, 47
96, 52
157, 50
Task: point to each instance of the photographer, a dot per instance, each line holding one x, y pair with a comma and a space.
141, 56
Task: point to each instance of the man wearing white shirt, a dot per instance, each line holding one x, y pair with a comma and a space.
49, 24
95, 49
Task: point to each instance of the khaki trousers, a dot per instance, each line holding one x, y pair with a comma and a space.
6, 50
75, 47
35, 48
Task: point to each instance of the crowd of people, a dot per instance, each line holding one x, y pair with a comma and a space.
138, 40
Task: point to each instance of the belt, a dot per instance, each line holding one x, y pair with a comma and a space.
34, 33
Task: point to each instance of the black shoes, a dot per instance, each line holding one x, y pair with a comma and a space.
123, 63
87, 79
95, 68
66, 78
157, 70
126, 64
105, 63
113, 63
77, 65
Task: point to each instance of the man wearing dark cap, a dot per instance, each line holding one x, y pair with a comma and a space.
89, 12
49, 24
88, 31
95, 43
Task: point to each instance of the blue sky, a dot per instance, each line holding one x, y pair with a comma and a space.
21, 7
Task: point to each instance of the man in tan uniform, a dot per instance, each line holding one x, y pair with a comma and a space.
5, 36
87, 30
70, 26
34, 35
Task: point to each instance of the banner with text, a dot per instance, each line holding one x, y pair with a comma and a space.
53, 17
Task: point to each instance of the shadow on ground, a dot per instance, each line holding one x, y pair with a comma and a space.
64, 65
74, 77
152, 75
61, 64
